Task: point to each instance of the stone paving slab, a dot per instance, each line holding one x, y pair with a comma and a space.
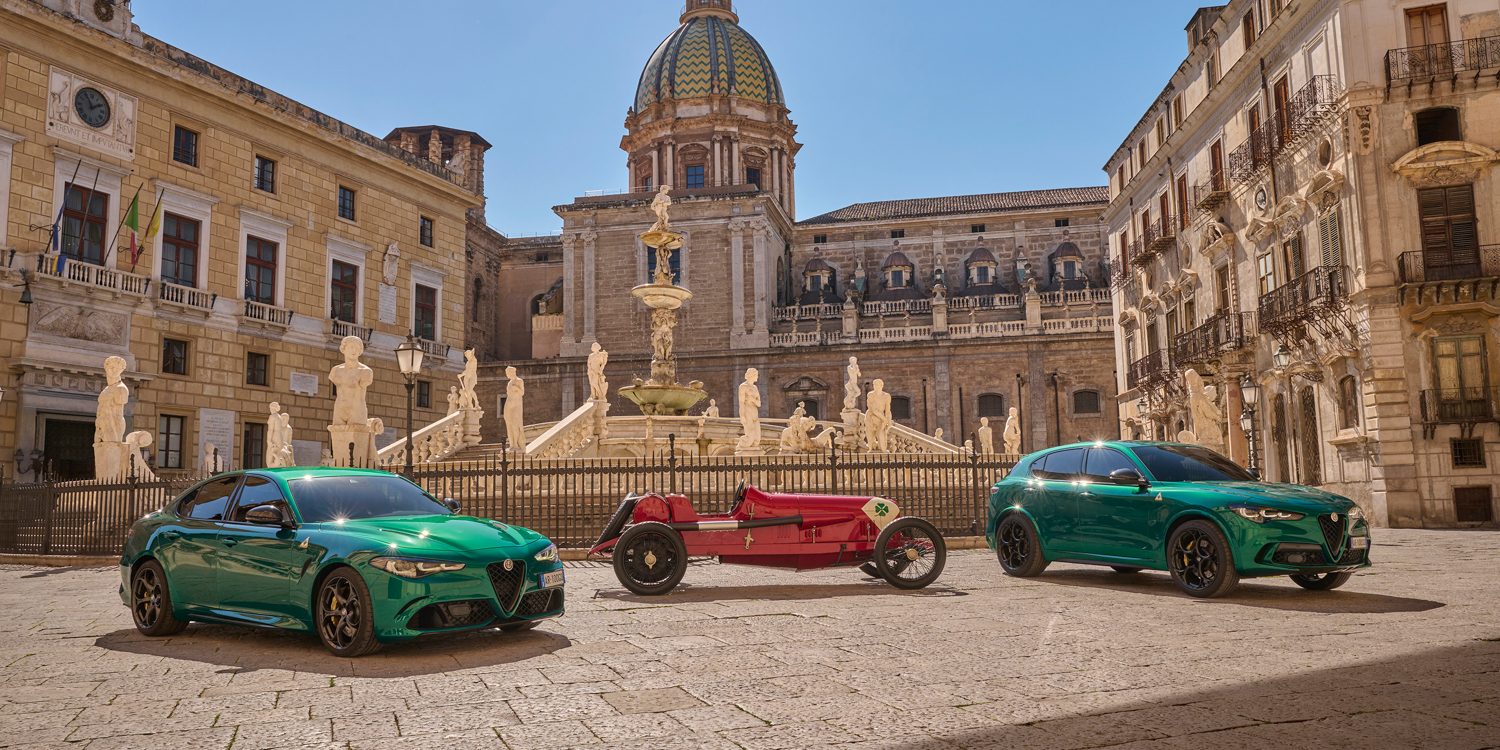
1406, 655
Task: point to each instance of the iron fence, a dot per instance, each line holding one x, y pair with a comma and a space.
567, 499
1420, 266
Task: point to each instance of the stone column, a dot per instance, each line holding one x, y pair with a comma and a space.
735, 174
761, 264
589, 285
940, 315
671, 177
655, 167
629, 174
718, 164
737, 277
791, 186
850, 320
773, 175
1033, 303
570, 292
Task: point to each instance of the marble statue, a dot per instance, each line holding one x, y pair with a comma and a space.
353, 379
139, 469
390, 263
660, 205
851, 385
800, 411
109, 422
377, 428
826, 438
663, 364
1203, 404
455, 400
938, 434
515, 423
712, 412
1187, 436
468, 380
279, 439
969, 447
749, 402
1011, 434
598, 386
878, 419
986, 435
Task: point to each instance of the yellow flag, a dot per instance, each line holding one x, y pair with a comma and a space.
155, 225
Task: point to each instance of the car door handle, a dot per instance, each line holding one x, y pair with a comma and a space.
231, 542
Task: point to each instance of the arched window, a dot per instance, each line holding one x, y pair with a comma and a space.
1348, 402
991, 405
900, 408
1086, 402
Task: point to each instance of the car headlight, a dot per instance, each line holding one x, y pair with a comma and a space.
406, 568
547, 555
1356, 513
1261, 515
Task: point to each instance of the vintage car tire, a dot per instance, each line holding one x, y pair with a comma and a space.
345, 587
668, 561
151, 601
1018, 548
1125, 569
1321, 582
1200, 560
895, 572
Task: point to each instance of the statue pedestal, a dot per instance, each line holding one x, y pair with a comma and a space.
111, 461
851, 440
351, 445
755, 451
471, 425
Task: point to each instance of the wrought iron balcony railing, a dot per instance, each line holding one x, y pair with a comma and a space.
1221, 334
1420, 266
1151, 370
1161, 234
1306, 109
1210, 193
1460, 405
1413, 64
1140, 255
1309, 298
1120, 270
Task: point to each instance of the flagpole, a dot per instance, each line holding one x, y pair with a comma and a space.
133, 204
151, 228
62, 203
88, 199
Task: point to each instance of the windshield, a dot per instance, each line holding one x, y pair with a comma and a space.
322, 499
1189, 463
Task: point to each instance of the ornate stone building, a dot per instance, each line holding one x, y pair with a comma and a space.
964, 305
1301, 215
282, 230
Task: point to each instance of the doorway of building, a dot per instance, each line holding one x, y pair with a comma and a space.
68, 448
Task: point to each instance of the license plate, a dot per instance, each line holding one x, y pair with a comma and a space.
552, 579
1359, 542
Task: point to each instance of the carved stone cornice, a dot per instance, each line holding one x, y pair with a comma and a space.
1324, 189
1445, 163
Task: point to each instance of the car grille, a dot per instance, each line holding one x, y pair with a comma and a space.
1333, 531
507, 583
538, 602
459, 614
1352, 557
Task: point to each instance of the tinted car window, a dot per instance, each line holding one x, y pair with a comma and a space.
210, 501
323, 499
1189, 463
256, 492
1102, 461
1064, 464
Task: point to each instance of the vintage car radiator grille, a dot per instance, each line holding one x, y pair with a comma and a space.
1333, 532
507, 583
538, 602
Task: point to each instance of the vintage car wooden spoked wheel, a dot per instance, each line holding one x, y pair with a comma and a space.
650, 558
910, 553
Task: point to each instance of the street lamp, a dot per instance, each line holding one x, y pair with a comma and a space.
409, 359
1250, 394
1282, 357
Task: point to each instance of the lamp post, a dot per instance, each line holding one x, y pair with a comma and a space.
409, 359
1250, 394
1282, 357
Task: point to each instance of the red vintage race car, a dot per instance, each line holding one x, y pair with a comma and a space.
651, 536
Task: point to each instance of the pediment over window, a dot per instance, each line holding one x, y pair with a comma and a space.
1324, 188
1445, 163
1215, 237
1127, 317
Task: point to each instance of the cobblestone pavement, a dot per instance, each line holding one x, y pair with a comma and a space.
1406, 655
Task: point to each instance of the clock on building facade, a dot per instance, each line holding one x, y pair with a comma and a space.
92, 107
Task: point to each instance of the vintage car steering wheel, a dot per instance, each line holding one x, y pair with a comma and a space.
739, 495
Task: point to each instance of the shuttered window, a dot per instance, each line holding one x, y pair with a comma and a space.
1291, 257
1450, 234
1331, 239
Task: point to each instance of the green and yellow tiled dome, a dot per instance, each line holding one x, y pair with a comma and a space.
706, 55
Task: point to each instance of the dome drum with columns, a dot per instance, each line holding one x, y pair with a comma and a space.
709, 111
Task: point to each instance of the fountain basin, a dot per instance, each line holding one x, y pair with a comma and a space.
661, 296
663, 400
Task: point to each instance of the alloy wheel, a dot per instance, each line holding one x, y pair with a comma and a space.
1195, 559
340, 621
1015, 548
146, 593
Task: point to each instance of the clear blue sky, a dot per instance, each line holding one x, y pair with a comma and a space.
892, 98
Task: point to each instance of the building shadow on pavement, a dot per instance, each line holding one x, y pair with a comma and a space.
247, 649
689, 594
1290, 597
1447, 697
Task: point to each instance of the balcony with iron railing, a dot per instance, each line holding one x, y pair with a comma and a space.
1210, 193
1426, 63
1309, 107
1140, 257
1222, 333
1308, 299
1149, 371
434, 349
1121, 270
1421, 266
1161, 235
1460, 405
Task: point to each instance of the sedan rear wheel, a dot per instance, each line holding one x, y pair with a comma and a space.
151, 601
1321, 581
1201, 562
346, 616
1018, 548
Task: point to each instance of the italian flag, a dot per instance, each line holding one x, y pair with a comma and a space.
133, 221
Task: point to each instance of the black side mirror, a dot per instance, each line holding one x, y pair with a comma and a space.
452, 504
1128, 477
267, 515
1254, 473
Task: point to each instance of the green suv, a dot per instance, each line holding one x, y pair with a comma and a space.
1169, 506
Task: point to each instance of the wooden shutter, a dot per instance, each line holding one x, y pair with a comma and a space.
1331, 241
1216, 154
1182, 201
1450, 233
1462, 227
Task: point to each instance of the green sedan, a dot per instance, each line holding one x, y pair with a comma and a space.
359, 557
1168, 506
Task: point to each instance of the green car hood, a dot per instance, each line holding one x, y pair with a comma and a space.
447, 537
1291, 497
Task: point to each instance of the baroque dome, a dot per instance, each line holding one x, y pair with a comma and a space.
708, 54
